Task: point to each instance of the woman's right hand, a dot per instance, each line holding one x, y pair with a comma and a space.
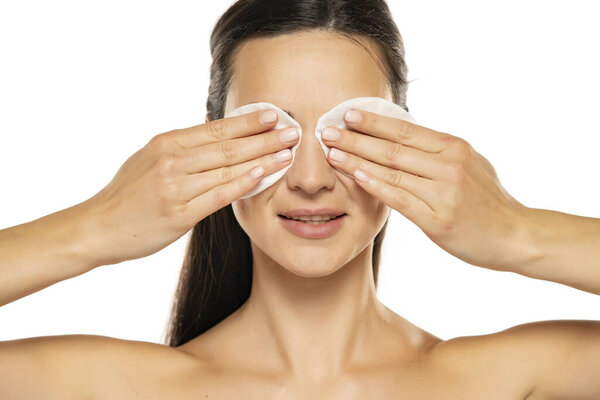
176, 180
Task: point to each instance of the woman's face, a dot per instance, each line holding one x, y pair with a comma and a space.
307, 74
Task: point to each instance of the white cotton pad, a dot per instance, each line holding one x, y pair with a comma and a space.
333, 117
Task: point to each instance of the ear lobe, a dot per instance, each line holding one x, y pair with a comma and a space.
206, 119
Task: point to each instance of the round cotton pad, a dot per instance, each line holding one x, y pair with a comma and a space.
333, 117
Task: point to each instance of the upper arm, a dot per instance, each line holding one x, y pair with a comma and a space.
563, 357
56, 367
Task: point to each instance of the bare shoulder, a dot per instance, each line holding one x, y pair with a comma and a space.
563, 357
91, 366
131, 369
537, 360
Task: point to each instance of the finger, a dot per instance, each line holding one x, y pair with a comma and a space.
421, 187
400, 131
220, 196
388, 153
234, 151
194, 186
224, 128
400, 200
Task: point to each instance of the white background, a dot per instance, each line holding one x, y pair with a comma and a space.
83, 85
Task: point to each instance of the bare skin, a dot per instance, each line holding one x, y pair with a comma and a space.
313, 325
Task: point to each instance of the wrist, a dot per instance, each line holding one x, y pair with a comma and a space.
527, 239
75, 234
85, 229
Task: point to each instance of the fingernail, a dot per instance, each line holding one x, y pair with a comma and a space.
289, 135
361, 176
257, 172
352, 116
337, 155
268, 116
283, 155
330, 134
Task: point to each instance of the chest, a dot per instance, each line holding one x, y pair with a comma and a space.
399, 384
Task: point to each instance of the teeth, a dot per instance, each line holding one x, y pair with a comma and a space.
314, 218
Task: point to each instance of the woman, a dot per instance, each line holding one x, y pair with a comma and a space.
261, 312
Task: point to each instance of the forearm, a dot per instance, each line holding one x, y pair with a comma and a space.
567, 249
39, 253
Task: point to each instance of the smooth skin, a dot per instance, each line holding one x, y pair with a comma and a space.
439, 182
158, 195
313, 325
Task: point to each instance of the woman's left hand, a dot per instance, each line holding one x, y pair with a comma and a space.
439, 182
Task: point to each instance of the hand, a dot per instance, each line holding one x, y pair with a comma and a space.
439, 182
176, 180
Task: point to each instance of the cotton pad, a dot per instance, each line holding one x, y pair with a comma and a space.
333, 117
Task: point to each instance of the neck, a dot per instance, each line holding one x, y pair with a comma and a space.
314, 327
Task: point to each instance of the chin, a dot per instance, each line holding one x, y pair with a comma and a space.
311, 271
319, 263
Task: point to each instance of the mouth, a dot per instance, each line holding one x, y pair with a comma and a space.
312, 212
312, 220
315, 227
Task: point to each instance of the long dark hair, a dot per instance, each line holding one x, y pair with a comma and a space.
216, 276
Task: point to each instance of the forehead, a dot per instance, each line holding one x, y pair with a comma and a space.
305, 72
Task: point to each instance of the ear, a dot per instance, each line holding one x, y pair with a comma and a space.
206, 119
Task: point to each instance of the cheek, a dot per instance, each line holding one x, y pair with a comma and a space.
368, 203
376, 213
250, 214
240, 210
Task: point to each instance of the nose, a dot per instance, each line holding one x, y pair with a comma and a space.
310, 170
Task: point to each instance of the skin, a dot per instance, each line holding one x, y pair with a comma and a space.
303, 290
313, 316
313, 326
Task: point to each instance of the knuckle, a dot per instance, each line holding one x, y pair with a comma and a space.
183, 219
249, 123
462, 148
448, 138
175, 137
271, 141
456, 172
351, 139
171, 190
172, 133
406, 132
166, 163
402, 200
227, 174
392, 151
219, 198
161, 143
443, 224
227, 151
395, 178
451, 197
440, 191
217, 129
177, 219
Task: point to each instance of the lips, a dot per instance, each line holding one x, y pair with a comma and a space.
313, 231
305, 212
